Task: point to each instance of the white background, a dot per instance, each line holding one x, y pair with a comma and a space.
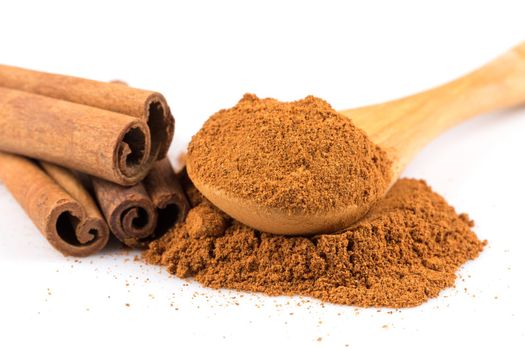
203, 56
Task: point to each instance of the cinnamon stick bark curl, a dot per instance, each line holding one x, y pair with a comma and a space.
70, 222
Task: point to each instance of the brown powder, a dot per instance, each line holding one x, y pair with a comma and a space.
299, 156
304, 156
405, 251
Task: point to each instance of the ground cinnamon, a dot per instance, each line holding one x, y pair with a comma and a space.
298, 156
304, 156
405, 251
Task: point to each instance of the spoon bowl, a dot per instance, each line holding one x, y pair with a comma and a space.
401, 127
274, 220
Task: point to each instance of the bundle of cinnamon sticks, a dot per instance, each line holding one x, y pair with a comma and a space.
86, 158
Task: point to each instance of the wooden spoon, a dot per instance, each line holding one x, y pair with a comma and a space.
402, 127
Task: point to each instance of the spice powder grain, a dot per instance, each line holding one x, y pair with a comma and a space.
403, 252
298, 156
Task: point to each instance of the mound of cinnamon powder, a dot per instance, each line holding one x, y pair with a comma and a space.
403, 252
298, 156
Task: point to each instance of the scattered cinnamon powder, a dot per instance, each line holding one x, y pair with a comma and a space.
403, 252
299, 156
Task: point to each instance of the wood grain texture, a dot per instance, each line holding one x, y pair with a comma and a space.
401, 127
404, 126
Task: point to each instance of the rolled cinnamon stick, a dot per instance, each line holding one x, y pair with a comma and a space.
138, 214
167, 196
106, 144
57, 204
149, 106
129, 211
107, 130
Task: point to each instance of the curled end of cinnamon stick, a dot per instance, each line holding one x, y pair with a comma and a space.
146, 211
171, 211
133, 152
72, 233
167, 195
133, 221
128, 210
161, 124
57, 203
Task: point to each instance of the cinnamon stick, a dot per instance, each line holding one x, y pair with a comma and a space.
98, 142
138, 214
57, 203
167, 196
110, 131
129, 211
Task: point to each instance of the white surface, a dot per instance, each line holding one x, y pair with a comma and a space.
203, 57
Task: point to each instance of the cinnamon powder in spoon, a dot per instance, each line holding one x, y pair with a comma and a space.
305, 156
296, 156
406, 250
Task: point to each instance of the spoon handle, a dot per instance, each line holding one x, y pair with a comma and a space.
405, 125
